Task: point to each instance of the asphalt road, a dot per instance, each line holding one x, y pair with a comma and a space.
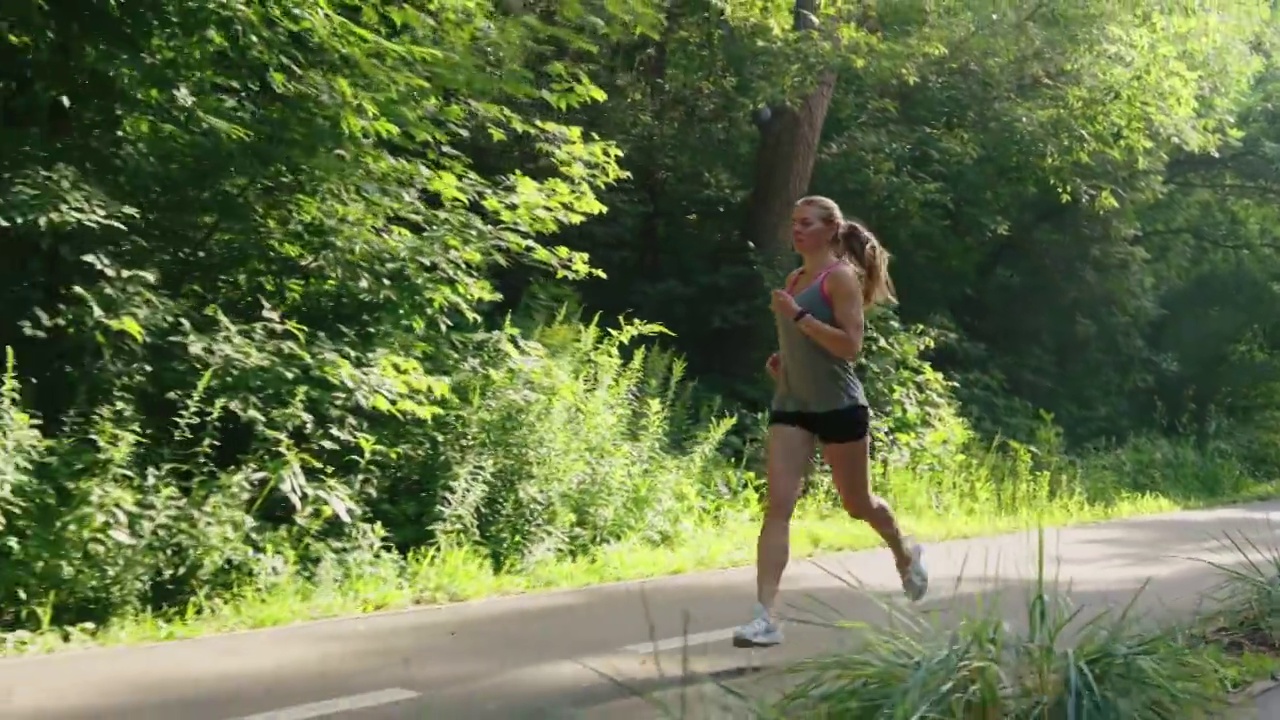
586, 653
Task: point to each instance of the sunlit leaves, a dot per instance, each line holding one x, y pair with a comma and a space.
286, 223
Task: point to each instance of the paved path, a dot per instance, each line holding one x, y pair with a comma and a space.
536, 656
1268, 705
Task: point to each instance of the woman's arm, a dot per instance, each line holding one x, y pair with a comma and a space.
773, 365
845, 341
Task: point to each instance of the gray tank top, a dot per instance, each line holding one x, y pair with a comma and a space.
812, 379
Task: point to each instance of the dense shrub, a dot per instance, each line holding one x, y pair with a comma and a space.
553, 445
563, 443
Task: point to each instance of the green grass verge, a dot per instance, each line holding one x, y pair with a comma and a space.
453, 575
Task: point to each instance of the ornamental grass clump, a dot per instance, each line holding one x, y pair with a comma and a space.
1058, 665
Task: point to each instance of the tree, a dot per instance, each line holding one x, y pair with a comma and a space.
789, 135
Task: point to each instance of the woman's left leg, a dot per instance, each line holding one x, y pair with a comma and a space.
851, 472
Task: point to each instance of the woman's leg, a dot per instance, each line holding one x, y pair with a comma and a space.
790, 452
850, 470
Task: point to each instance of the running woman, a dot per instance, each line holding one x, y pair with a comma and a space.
818, 398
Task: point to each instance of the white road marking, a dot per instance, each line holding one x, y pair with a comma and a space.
702, 638
336, 705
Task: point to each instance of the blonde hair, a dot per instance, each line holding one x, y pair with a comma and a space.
855, 242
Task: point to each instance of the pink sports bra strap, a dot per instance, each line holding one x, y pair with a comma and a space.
821, 276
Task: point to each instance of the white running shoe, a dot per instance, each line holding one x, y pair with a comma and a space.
915, 581
761, 632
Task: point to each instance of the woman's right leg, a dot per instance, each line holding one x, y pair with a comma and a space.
790, 451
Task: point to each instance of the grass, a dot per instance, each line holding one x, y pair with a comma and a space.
985, 668
454, 575
1242, 635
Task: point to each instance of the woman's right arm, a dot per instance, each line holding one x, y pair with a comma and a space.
774, 364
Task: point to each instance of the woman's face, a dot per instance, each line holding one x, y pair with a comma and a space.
810, 230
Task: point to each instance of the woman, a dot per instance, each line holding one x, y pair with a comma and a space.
818, 397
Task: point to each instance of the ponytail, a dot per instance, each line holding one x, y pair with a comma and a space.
858, 244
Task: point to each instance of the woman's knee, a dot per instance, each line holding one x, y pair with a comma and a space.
778, 510
790, 453
861, 506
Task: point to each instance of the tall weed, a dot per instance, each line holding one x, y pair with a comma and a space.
568, 440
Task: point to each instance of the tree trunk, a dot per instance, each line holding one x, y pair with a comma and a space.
785, 158
784, 165
787, 153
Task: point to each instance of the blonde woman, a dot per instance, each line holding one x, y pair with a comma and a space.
819, 398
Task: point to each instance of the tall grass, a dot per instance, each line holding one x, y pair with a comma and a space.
575, 444
1053, 663
1243, 632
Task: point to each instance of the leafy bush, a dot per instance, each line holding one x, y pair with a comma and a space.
1168, 466
244, 280
562, 444
920, 422
550, 445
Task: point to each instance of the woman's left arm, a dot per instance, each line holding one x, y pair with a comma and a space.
845, 293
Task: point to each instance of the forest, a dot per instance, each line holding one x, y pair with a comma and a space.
327, 307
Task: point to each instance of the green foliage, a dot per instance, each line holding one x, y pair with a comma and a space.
252, 244
1019, 163
286, 296
922, 422
561, 444
1216, 470
1241, 634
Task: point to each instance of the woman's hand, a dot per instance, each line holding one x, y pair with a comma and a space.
773, 365
784, 305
